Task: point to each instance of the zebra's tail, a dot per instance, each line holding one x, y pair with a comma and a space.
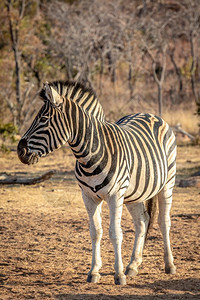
151, 207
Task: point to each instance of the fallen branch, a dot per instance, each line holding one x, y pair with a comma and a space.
178, 128
187, 216
27, 181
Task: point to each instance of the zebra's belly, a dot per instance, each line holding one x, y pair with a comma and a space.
144, 187
96, 195
140, 195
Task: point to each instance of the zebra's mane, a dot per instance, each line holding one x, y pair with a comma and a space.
77, 92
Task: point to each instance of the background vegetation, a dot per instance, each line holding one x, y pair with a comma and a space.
137, 55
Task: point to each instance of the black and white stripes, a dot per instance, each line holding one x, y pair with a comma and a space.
129, 162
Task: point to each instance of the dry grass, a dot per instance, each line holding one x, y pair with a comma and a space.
186, 118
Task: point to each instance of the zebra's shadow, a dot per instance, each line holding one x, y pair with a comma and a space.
187, 286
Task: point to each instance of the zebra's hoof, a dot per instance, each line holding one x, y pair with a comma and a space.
93, 278
131, 272
170, 269
120, 280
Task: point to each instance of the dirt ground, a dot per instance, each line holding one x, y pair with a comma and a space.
45, 249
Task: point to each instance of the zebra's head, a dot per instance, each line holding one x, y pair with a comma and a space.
48, 131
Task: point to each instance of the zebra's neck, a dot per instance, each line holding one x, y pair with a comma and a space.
84, 133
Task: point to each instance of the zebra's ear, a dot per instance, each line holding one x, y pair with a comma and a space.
52, 95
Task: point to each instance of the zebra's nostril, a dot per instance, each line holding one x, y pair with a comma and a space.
22, 152
25, 155
22, 147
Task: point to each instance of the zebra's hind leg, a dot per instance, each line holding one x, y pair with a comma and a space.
115, 233
165, 202
94, 213
141, 221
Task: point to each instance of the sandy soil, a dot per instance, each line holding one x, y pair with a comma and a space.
45, 249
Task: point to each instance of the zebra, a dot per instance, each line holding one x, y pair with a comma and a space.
131, 162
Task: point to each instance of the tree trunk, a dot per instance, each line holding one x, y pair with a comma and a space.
14, 34
159, 82
177, 70
160, 100
18, 84
159, 76
193, 68
130, 83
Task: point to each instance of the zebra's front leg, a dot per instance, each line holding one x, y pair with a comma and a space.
141, 221
115, 233
164, 221
94, 213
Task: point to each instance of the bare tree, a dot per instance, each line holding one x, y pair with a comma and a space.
186, 27
84, 38
14, 34
177, 68
27, 49
159, 76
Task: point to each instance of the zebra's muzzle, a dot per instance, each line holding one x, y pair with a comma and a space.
33, 158
26, 156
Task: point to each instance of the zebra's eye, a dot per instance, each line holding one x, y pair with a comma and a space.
44, 119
